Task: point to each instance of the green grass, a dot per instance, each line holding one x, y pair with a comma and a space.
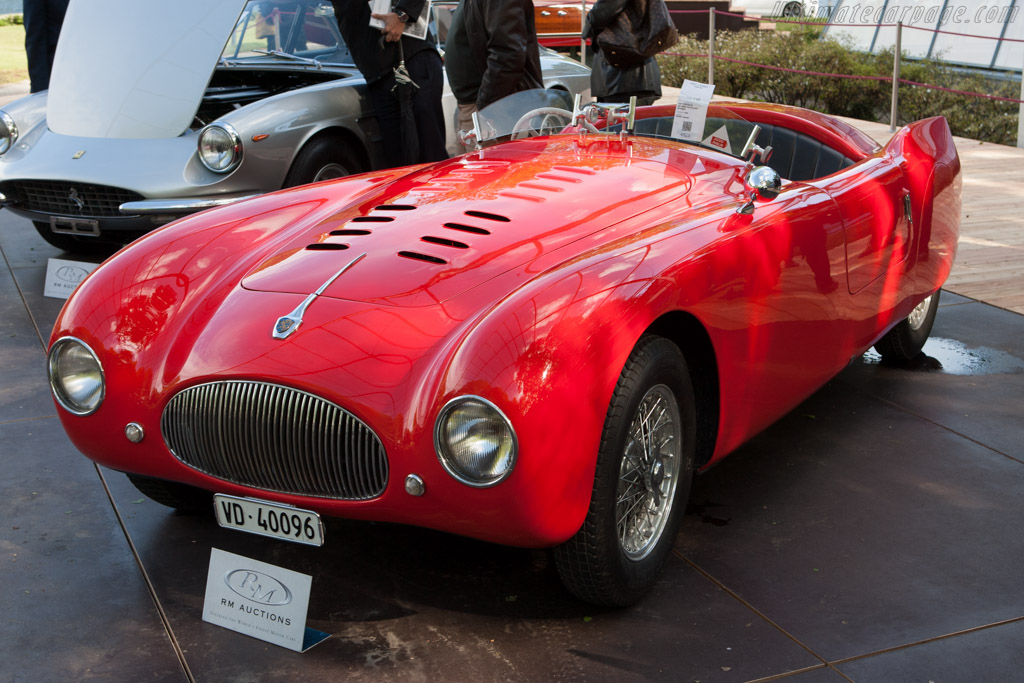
781, 24
13, 64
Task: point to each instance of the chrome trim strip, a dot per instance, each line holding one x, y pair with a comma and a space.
182, 205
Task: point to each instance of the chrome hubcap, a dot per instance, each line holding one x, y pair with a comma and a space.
330, 172
920, 312
649, 473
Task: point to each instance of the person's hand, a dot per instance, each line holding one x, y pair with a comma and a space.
392, 26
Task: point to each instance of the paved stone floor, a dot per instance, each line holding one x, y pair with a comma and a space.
872, 535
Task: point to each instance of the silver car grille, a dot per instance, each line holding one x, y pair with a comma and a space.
275, 438
68, 199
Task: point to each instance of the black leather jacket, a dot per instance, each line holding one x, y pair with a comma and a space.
374, 57
607, 81
501, 35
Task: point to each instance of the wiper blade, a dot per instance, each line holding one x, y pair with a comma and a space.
286, 55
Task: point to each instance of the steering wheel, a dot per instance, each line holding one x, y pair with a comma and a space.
553, 117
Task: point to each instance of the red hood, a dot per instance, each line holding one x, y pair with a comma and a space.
435, 233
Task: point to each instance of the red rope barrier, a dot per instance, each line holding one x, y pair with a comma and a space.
829, 23
787, 21
963, 35
887, 79
961, 92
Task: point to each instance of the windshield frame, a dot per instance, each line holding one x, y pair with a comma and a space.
286, 40
531, 113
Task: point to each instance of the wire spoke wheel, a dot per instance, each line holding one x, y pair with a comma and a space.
919, 314
649, 473
642, 480
906, 340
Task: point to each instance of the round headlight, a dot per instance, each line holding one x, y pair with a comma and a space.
220, 148
76, 376
8, 132
475, 441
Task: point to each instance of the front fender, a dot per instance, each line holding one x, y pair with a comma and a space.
29, 114
292, 119
549, 357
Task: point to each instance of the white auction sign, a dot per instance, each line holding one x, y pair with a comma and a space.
62, 276
259, 600
691, 110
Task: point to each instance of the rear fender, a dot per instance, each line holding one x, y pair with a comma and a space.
926, 152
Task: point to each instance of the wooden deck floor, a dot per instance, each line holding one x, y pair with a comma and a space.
989, 263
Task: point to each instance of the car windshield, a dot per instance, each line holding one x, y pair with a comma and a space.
549, 112
300, 32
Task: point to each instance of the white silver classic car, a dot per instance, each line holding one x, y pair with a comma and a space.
157, 111
791, 9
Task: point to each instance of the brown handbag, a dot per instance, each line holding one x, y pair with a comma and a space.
641, 30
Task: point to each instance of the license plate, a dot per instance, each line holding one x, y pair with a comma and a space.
269, 519
74, 226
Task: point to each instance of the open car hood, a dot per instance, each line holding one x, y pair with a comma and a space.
131, 69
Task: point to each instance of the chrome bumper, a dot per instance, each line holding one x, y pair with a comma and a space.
183, 205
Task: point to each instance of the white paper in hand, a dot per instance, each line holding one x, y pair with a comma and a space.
414, 29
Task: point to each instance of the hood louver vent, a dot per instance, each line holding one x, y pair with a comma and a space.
467, 228
327, 246
489, 216
445, 242
416, 256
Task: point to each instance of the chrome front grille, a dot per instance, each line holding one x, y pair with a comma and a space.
68, 199
275, 438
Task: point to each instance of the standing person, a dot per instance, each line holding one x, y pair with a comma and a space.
43, 20
491, 52
409, 114
612, 84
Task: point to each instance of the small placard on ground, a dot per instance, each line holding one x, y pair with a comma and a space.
260, 600
62, 276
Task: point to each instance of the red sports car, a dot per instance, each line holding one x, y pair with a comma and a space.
537, 343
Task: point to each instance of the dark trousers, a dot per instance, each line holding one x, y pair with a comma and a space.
421, 128
43, 19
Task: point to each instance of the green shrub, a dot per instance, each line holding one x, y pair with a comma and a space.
805, 49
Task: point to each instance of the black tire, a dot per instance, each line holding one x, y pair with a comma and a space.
906, 340
79, 245
172, 494
597, 565
323, 158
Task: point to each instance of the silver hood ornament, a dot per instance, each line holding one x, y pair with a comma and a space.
287, 324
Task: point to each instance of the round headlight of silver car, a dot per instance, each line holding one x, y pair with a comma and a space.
8, 132
475, 441
220, 148
76, 376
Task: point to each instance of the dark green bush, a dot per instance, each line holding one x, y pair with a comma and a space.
805, 49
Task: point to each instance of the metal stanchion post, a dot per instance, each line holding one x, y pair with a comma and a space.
1020, 114
583, 39
896, 77
711, 46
